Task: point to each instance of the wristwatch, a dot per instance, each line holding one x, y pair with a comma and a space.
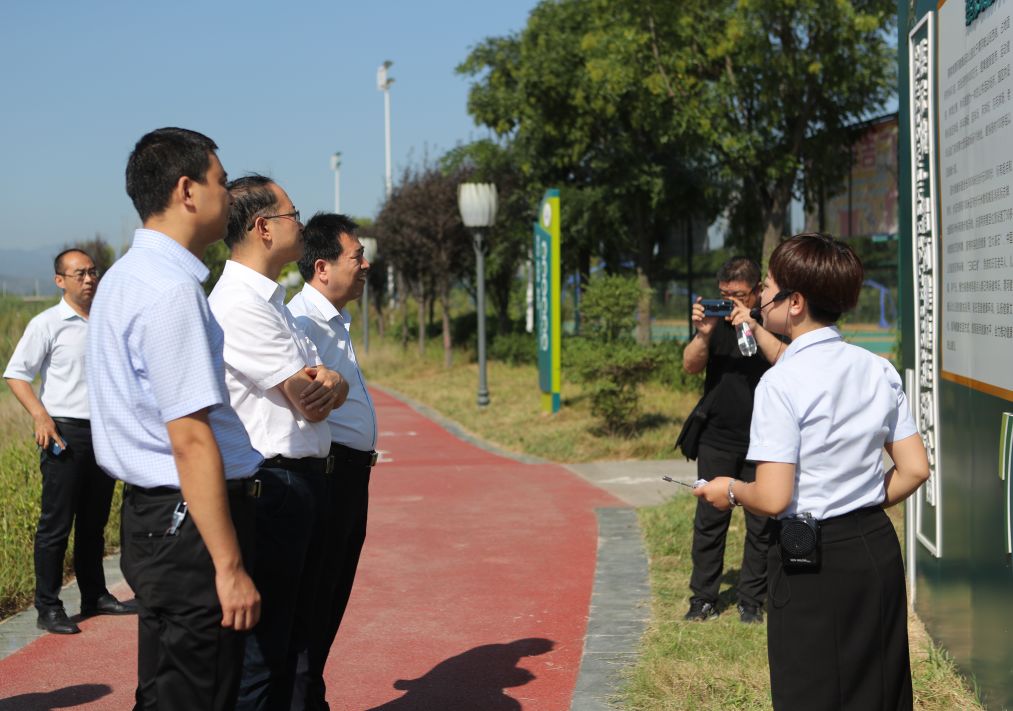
731, 495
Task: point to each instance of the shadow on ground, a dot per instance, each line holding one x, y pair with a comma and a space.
471, 681
64, 698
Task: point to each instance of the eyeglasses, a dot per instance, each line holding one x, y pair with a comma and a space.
736, 294
293, 215
80, 274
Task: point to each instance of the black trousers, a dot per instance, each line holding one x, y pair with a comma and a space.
285, 571
339, 536
710, 528
837, 635
185, 658
75, 492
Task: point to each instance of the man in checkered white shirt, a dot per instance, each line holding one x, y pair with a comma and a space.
162, 423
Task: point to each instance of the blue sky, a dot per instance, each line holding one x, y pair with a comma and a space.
279, 87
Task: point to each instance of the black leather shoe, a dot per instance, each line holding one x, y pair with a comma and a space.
108, 605
750, 614
700, 610
57, 622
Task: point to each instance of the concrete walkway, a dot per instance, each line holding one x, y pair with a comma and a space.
486, 583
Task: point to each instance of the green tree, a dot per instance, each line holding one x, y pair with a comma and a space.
421, 230
579, 94
786, 80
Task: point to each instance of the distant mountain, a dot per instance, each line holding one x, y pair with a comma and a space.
23, 271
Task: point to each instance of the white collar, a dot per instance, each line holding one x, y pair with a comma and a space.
268, 289
322, 304
811, 338
145, 238
66, 311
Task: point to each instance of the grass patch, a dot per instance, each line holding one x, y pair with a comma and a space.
21, 492
722, 664
514, 420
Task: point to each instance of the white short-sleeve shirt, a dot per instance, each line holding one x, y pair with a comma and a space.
354, 423
54, 344
155, 355
263, 348
828, 407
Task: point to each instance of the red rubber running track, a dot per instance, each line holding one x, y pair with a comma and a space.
472, 593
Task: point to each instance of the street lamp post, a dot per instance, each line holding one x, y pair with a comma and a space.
336, 167
383, 82
477, 202
369, 252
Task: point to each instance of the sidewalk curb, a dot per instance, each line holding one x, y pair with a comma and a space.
620, 610
19, 630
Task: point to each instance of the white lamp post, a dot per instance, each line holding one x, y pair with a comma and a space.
477, 202
336, 167
369, 252
383, 83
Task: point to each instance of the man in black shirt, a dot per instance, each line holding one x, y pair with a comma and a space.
731, 377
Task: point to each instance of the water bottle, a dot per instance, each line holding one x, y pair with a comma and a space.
747, 344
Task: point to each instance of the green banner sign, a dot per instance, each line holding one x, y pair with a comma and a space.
548, 319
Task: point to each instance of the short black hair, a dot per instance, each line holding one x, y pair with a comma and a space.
322, 239
251, 197
159, 160
825, 270
58, 259
740, 269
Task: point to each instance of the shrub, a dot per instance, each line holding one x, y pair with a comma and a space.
668, 369
514, 348
608, 307
608, 360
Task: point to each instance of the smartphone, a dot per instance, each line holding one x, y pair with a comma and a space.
54, 448
717, 307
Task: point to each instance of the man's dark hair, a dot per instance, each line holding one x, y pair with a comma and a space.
740, 269
251, 197
159, 160
322, 239
58, 259
825, 270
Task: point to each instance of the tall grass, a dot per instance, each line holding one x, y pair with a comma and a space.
20, 480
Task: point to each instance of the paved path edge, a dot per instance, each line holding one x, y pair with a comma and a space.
19, 630
620, 611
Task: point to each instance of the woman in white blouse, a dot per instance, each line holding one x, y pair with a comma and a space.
837, 614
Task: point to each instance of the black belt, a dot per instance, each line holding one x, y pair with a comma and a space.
354, 457
245, 487
72, 421
305, 465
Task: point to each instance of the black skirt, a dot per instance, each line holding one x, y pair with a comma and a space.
837, 635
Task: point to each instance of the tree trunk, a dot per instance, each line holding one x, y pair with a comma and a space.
448, 345
644, 255
420, 301
644, 308
775, 217
402, 300
379, 317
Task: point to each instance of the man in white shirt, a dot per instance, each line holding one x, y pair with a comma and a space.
163, 424
75, 492
283, 395
335, 269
